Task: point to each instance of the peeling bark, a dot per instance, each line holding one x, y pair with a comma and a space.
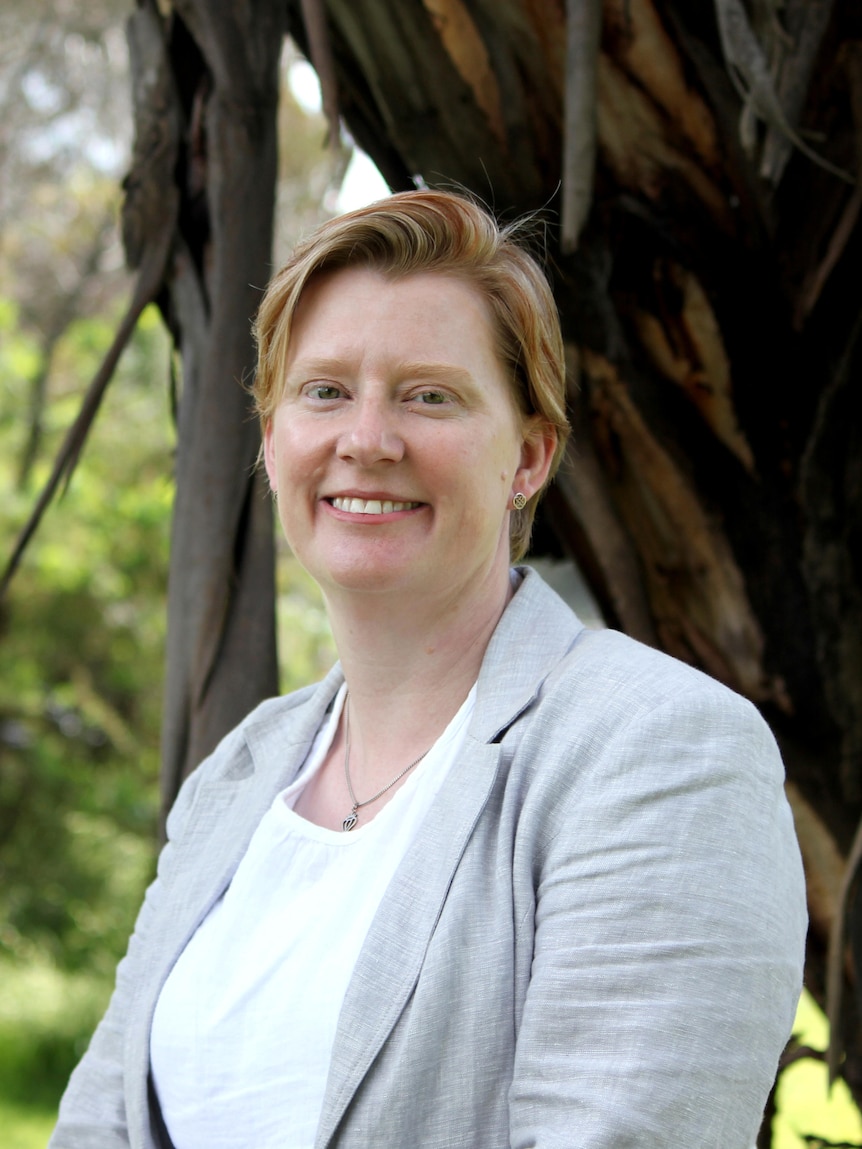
583, 34
695, 587
685, 344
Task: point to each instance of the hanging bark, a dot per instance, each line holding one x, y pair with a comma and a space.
583, 28
223, 90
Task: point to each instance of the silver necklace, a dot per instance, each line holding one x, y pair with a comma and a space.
352, 818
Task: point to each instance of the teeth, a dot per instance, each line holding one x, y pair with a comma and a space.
371, 506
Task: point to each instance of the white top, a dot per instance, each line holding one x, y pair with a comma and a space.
243, 1029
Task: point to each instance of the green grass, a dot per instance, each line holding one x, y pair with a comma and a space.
25, 1126
46, 1018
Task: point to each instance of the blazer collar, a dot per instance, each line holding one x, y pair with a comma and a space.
535, 631
283, 730
271, 749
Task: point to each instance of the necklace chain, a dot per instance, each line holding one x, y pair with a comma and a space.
350, 821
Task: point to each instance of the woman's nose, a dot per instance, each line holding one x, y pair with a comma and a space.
371, 435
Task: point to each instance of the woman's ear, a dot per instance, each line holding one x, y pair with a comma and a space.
269, 456
537, 454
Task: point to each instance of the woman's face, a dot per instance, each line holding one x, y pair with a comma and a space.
396, 447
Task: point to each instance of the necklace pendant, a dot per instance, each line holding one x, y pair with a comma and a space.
349, 822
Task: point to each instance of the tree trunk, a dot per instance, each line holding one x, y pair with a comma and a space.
222, 88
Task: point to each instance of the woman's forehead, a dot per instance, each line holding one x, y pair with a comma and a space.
362, 303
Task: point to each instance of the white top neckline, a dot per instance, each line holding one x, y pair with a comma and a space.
316, 757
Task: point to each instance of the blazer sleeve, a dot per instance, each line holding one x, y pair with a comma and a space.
669, 935
92, 1110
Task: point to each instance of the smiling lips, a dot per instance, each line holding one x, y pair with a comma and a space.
371, 506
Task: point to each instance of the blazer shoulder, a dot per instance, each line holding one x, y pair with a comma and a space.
632, 677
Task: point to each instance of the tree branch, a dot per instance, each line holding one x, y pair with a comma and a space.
583, 33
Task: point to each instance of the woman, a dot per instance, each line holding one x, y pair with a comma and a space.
497, 880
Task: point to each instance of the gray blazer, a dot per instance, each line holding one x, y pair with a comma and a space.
596, 940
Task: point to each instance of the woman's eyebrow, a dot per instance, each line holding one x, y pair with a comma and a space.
436, 372
324, 365
408, 369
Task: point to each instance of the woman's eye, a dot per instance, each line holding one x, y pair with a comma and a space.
324, 391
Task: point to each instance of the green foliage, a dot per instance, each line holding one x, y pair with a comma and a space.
25, 1126
807, 1106
19, 356
81, 648
46, 1019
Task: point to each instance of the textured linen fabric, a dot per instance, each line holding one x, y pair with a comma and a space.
243, 1028
595, 943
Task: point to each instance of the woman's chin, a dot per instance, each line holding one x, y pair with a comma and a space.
365, 577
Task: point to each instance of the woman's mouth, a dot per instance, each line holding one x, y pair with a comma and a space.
370, 506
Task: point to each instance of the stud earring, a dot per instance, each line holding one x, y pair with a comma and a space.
519, 501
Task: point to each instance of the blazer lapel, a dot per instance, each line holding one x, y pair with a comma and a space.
231, 803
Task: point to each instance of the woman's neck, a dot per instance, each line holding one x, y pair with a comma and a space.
412, 660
